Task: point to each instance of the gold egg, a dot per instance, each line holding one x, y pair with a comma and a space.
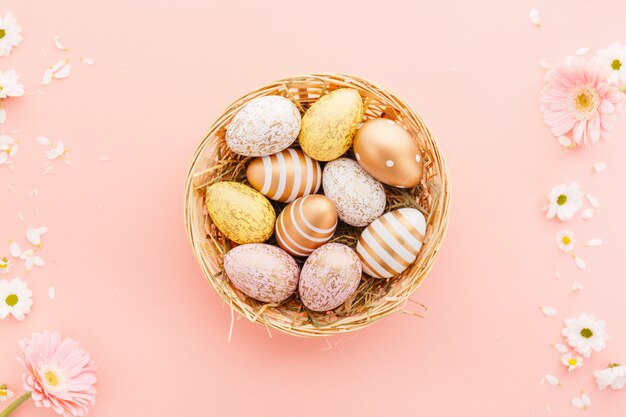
328, 126
388, 153
306, 224
286, 175
241, 213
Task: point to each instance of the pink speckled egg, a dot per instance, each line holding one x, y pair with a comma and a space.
262, 271
329, 276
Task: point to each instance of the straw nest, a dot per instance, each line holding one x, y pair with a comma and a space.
375, 298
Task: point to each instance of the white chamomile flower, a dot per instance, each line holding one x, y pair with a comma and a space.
585, 334
8, 148
572, 362
614, 376
33, 234
9, 34
5, 265
15, 298
583, 402
565, 240
565, 201
10, 85
5, 393
613, 60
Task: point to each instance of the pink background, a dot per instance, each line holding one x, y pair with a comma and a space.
130, 291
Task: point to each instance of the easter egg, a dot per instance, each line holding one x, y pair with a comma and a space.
388, 153
285, 175
306, 224
329, 277
263, 272
358, 196
391, 243
263, 126
328, 126
241, 213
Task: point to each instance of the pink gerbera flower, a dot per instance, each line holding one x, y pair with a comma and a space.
60, 375
577, 101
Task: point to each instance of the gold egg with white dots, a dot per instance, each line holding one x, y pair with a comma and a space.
388, 153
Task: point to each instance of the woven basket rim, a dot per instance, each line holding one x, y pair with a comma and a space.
440, 207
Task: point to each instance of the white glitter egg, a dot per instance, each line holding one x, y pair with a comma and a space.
262, 271
359, 197
329, 277
264, 126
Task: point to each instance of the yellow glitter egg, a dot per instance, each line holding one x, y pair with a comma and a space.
329, 125
241, 213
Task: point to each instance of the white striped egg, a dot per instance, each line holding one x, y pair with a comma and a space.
391, 243
306, 224
286, 175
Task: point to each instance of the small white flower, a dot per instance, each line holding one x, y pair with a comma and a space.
8, 148
614, 376
599, 167
613, 61
5, 265
580, 262
551, 379
587, 213
5, 393
34, 234
572, 362
565, 240
534, 17
585, 334
9, 34
583, 402
10, 85
565, 201
15, 298
548, 311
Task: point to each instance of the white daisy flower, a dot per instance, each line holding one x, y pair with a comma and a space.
5, 393
5, 265
15, 298
585, 334
9, 34
613, 60
8, 148
614, 376
572, 362
565, 240
10, 85
565, 201
583, 402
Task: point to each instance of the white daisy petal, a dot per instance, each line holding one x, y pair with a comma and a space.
51, 292
578, 403
3, 115
585, 399
582, 51
15, 249
88, 60
546, 65
587, 214
599, 167
47, 77
59, 45
57, 151
560, 348
64, 72
565, 141
548, 311
592, 200
551, 379
595, 242
534, 17
576, 286
58, 65
580, 263
34, 235
42, 140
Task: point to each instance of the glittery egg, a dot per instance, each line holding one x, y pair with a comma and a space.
263, 272
328, 126
391, 243
264, 126
306, 224
358, 196
388, 153
241, 213
285, 175
329, 277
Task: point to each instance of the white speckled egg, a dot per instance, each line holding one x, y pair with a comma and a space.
264, 126
359, 197
329, 277
391, 243
262, 271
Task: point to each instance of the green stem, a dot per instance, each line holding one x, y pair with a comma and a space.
11, 407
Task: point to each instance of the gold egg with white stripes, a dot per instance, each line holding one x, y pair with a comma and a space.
306, 224
285, 176
392, 242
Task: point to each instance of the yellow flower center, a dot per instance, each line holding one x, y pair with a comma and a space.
572, 362
586, 333
562, 199
566, 240
584, 101
2, 33
11, 300
616, 64
52, 378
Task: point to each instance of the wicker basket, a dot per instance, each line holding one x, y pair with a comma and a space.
375, 298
